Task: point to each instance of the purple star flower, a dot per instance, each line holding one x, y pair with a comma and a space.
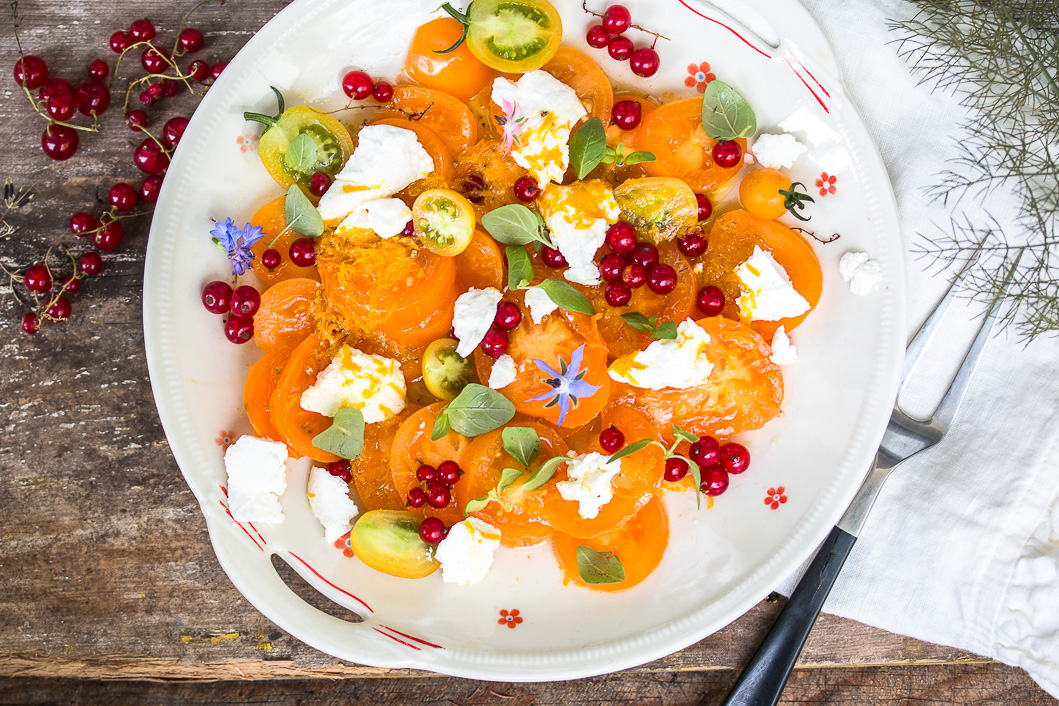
567, 385
236, 243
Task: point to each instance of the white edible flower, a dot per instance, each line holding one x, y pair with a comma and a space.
578, 217
503, 372
861, 272
777, 151
330, 503
472, 316
539, 303
257, 477
589, 483
466, 553
783, 351
679, 362
374, 384
768, 294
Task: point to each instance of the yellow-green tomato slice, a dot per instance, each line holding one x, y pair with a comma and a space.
444, 221
514, 36
388, 541
660, 208
445, 372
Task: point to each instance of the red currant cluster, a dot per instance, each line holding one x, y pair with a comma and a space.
436, 485
341, 469
360, 86
615, 21
508, 317
716, 462
54, 305
630, 265
239, 305
302, 252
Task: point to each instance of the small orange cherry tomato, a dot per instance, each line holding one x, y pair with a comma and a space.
443, 113
270, 219
458, 72
759, 193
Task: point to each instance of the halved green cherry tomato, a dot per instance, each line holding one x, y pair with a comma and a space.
512, 36
445, 372
331, 140
660, 208
388, 541
444, 221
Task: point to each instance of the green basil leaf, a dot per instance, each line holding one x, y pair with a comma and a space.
566, 297
513, 224
640, 322
479, 410
599, 567
522, 444
639, 157
301, 155
441, 427
667, 329
507, 477
725, 114
588, 146
519, 267
684, 435
631, 449
345, 437
545, 472
302, 217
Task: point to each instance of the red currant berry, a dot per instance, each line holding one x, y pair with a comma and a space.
432, 530
154, 61
735, 458
617, 294
617, 19
705, 207
137, 119
174, 129
271, 259
30, 323
93, 97
409, 230
553, 258
676, 469
142, 30
727, 153
146, 98
122, 197
198, 70
621, 238
37, 279
417, 497
109, 236
217, 297
382, 92
150, 188
217, 69
526, 189
82, 223
438, 495
169, 88
645, 254
714, 480
245, 301
508, 316
426, 473
71, 284
620, 48
238, 330
644, 62
319, 183
611, 440
710, 300
120, 41
692, 244
52, 86
60, 105
661, 279
31, 72
449, 472
59, 142
494, 344
627, 114
611, 267
706, 452
90, 264
357, 85
191, 40
99, 69
341, 469
634, 276
150, 157
302, 252
155, 91
597, 37
60, 309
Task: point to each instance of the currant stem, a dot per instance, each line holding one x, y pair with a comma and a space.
657, 36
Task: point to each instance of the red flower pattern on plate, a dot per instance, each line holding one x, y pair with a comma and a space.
698, 76
225, 439
511, 618
247, 141
775, 497
344, 544
826, 183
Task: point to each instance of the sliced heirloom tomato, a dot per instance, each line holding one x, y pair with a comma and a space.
492, 175
444, 221
285, 317
257, 392
412, 446
641, 472
371, 471
660, 208
458, 72
445, 114
579, 72
270, 218
446, 372
512, 36
295, 425
481, 265
732, 240
639, 544
388, 541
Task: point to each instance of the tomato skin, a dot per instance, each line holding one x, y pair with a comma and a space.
295, 425
759, 192
388, 541
329, 134
285, 318
270, 219
459, 72
488, 18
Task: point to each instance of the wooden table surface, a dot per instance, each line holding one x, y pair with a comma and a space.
110, 590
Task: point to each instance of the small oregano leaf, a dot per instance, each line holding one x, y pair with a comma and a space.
588, 146
479, 503
631, 449
441, 427
478, 410
507, 477
522, 444
545, 472
640, 322
639, 157
301, 155
519, 267
513, 224
566, 297
345, 437
599, 567
300, 214
665, 330
684, 435
725, 114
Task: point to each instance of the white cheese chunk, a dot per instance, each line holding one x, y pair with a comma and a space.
777, 151
679, 362
768, 294
589, 483
257, 477
861, 272
386, 217
503, 372
472, 316
539, 303
539, 111
373, 384
783, 351
387, 159
466, 554
330, 503
578, 217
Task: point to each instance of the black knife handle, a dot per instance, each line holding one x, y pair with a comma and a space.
762, 682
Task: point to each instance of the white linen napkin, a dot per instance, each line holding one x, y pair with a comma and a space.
962, 547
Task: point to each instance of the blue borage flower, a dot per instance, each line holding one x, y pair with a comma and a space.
567, 384
236, 243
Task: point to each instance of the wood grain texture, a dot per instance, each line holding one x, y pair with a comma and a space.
105, 566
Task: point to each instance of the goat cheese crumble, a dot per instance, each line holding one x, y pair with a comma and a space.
768, 294
503, 372
578, 217
777, 151
589, 483
861, 272
783, 351
330, 503
373, 384
466, 553
539, 303
472, 316
679, 362
257, 477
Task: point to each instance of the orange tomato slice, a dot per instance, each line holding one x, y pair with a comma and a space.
458, 72
443, 113
270, 219
371, 472
437, 148
578, 71
257, 392
285, 316
296, 425
642, 471
412, 447
481, 264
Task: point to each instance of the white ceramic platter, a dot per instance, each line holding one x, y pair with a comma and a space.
720, 561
